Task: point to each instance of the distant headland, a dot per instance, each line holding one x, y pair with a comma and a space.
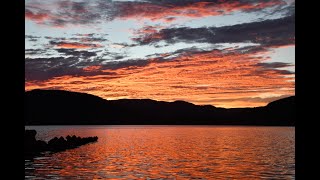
58, 107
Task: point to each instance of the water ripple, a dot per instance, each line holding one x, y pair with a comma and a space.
169, 152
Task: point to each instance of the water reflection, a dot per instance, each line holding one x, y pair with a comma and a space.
169, 152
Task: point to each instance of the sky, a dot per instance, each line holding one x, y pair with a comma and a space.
226, 53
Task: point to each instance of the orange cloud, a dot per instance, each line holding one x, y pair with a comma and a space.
76, 45
72, 12
194, 10
91, 68
150, 38
152, 31
36, 17
217, 78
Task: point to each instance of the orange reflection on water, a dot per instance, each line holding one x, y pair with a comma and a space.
171, 152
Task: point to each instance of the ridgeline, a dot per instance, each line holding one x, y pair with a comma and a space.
57, 107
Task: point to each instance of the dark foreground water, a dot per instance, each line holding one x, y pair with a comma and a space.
169, 152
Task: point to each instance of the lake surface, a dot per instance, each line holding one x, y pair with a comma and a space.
169, 152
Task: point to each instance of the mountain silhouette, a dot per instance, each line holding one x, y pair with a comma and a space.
57, 107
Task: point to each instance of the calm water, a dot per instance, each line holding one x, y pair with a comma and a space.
169, 152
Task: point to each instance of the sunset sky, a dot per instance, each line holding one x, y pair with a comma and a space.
227, 53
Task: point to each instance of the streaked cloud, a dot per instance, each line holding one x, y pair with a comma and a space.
73, 45
227, 53
233, 75
83, 12
270, 32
